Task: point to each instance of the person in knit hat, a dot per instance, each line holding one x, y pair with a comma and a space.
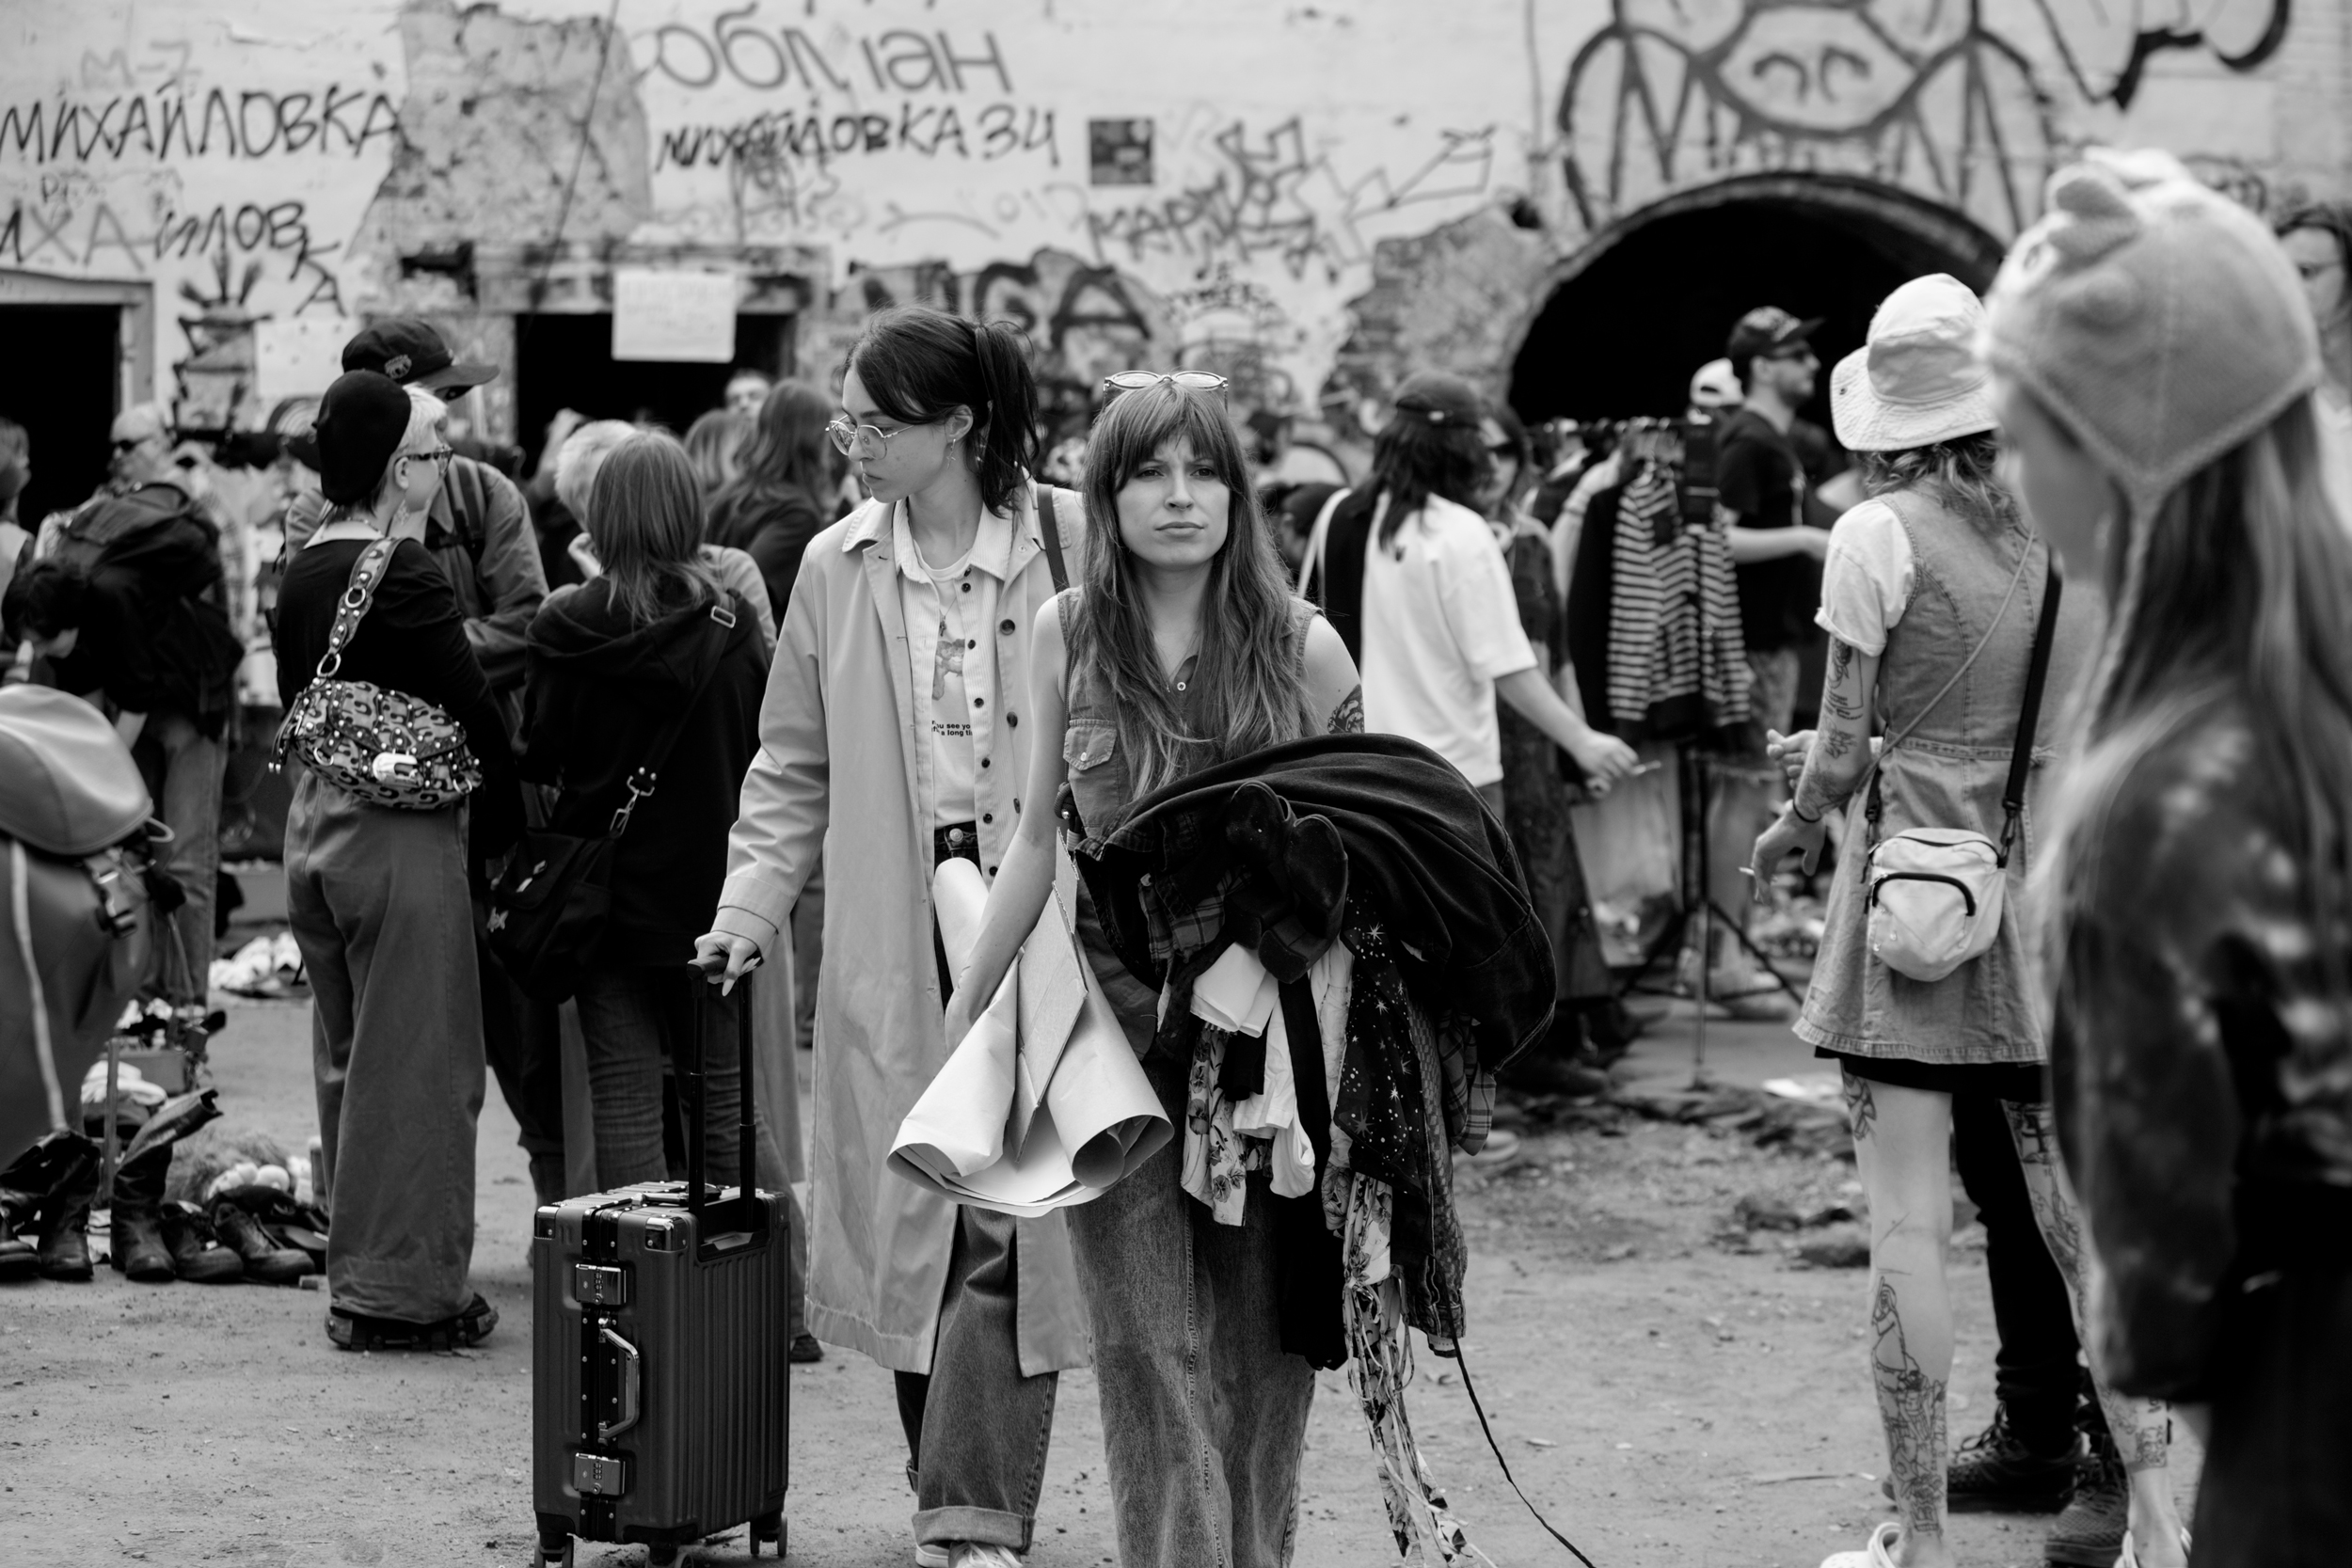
2153, 362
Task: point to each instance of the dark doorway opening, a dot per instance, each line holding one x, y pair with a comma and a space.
1622, 334
68, 407
567, 362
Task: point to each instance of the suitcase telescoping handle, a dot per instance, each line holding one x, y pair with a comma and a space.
720, 1227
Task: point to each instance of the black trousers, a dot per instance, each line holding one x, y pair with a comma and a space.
2037, 1369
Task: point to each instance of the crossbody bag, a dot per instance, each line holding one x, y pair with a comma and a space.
549, 907
1935, 896
386, 747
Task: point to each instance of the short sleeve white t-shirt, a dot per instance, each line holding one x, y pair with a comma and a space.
1867, 578
1440, 626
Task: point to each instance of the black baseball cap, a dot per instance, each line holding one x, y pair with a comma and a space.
409, 351
361, 420
1441, 398
1766, 330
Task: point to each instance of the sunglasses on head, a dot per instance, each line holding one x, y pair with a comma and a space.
1191, 381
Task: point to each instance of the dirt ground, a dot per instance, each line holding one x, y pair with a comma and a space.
1670, 1388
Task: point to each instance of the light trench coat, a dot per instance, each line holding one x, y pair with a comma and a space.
837, 727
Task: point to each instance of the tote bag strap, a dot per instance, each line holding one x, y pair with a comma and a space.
358, 594
640, 784
2029, 712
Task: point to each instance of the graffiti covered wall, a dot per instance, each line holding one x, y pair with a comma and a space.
1272, 191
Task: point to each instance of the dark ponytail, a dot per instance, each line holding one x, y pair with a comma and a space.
917, 364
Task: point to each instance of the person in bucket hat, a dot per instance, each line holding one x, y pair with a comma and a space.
1931, 594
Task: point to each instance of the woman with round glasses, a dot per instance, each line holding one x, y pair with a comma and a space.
1184, 648
900, 688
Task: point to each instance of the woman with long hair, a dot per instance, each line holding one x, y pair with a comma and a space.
650, 667
377, 897
2318, 240
781, 497
899, 690
1934, 597
2154, 365
1419, 594
714, 445
1186, 648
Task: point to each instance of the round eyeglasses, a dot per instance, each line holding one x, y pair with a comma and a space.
861, 441
1191, 381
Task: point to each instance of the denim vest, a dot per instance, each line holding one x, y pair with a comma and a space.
1102, 792
1949, 772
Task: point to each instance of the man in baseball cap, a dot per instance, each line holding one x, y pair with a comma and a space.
408, 350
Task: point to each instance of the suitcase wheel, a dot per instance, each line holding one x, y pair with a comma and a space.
562, 1558
768, 1529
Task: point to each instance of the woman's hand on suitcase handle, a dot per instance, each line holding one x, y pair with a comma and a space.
725, 958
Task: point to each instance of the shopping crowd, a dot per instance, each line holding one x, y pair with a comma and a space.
2075, 555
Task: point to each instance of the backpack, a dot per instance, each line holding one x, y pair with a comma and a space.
75, 893
95, 530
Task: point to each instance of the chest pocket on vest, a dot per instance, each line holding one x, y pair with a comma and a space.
1087, 744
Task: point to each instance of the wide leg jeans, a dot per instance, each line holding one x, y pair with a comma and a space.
378, 901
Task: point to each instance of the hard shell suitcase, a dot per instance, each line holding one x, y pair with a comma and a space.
660, 1339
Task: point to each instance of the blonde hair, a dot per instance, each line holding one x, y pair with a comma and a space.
2229, 595
425, 413
584, 452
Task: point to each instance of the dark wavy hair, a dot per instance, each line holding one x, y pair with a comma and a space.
1962, 475
1413, 459
919, 365
1244, 691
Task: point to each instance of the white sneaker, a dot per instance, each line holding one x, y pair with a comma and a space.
973, 1554
1880, 1553
929, 1557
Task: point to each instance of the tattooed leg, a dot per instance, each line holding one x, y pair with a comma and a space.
1902, 1143
1911, 1404
2142, 1429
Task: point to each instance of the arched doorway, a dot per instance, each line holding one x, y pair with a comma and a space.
1623, 323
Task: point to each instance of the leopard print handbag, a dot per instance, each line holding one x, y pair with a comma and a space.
386, 747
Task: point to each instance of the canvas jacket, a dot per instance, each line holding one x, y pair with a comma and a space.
835, 776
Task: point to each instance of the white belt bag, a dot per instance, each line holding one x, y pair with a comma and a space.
1934, 894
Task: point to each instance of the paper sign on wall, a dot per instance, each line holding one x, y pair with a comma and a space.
298, 355
673, 315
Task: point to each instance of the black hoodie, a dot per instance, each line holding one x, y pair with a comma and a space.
600, 691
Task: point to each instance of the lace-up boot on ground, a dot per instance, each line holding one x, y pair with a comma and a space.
197, 1254
2089, 1532
1997, 1471
265, 1260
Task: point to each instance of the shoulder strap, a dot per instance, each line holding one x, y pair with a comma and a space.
640, 784
1999, 615
1319, 540
1049, 526
2029, 713
358, 594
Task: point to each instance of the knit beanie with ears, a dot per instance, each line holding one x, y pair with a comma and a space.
2158, 319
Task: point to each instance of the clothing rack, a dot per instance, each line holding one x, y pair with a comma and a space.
1688, 449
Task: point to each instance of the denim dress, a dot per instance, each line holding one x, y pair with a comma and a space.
1949, 772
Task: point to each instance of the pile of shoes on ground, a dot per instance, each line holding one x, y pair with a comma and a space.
239, 1232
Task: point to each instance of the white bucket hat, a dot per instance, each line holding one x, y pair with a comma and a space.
1918, 381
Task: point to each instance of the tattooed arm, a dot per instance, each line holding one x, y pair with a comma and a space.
1333, 687
1348, 718
1841, 753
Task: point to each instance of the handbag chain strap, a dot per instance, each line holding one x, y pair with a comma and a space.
641, 783
358, 593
